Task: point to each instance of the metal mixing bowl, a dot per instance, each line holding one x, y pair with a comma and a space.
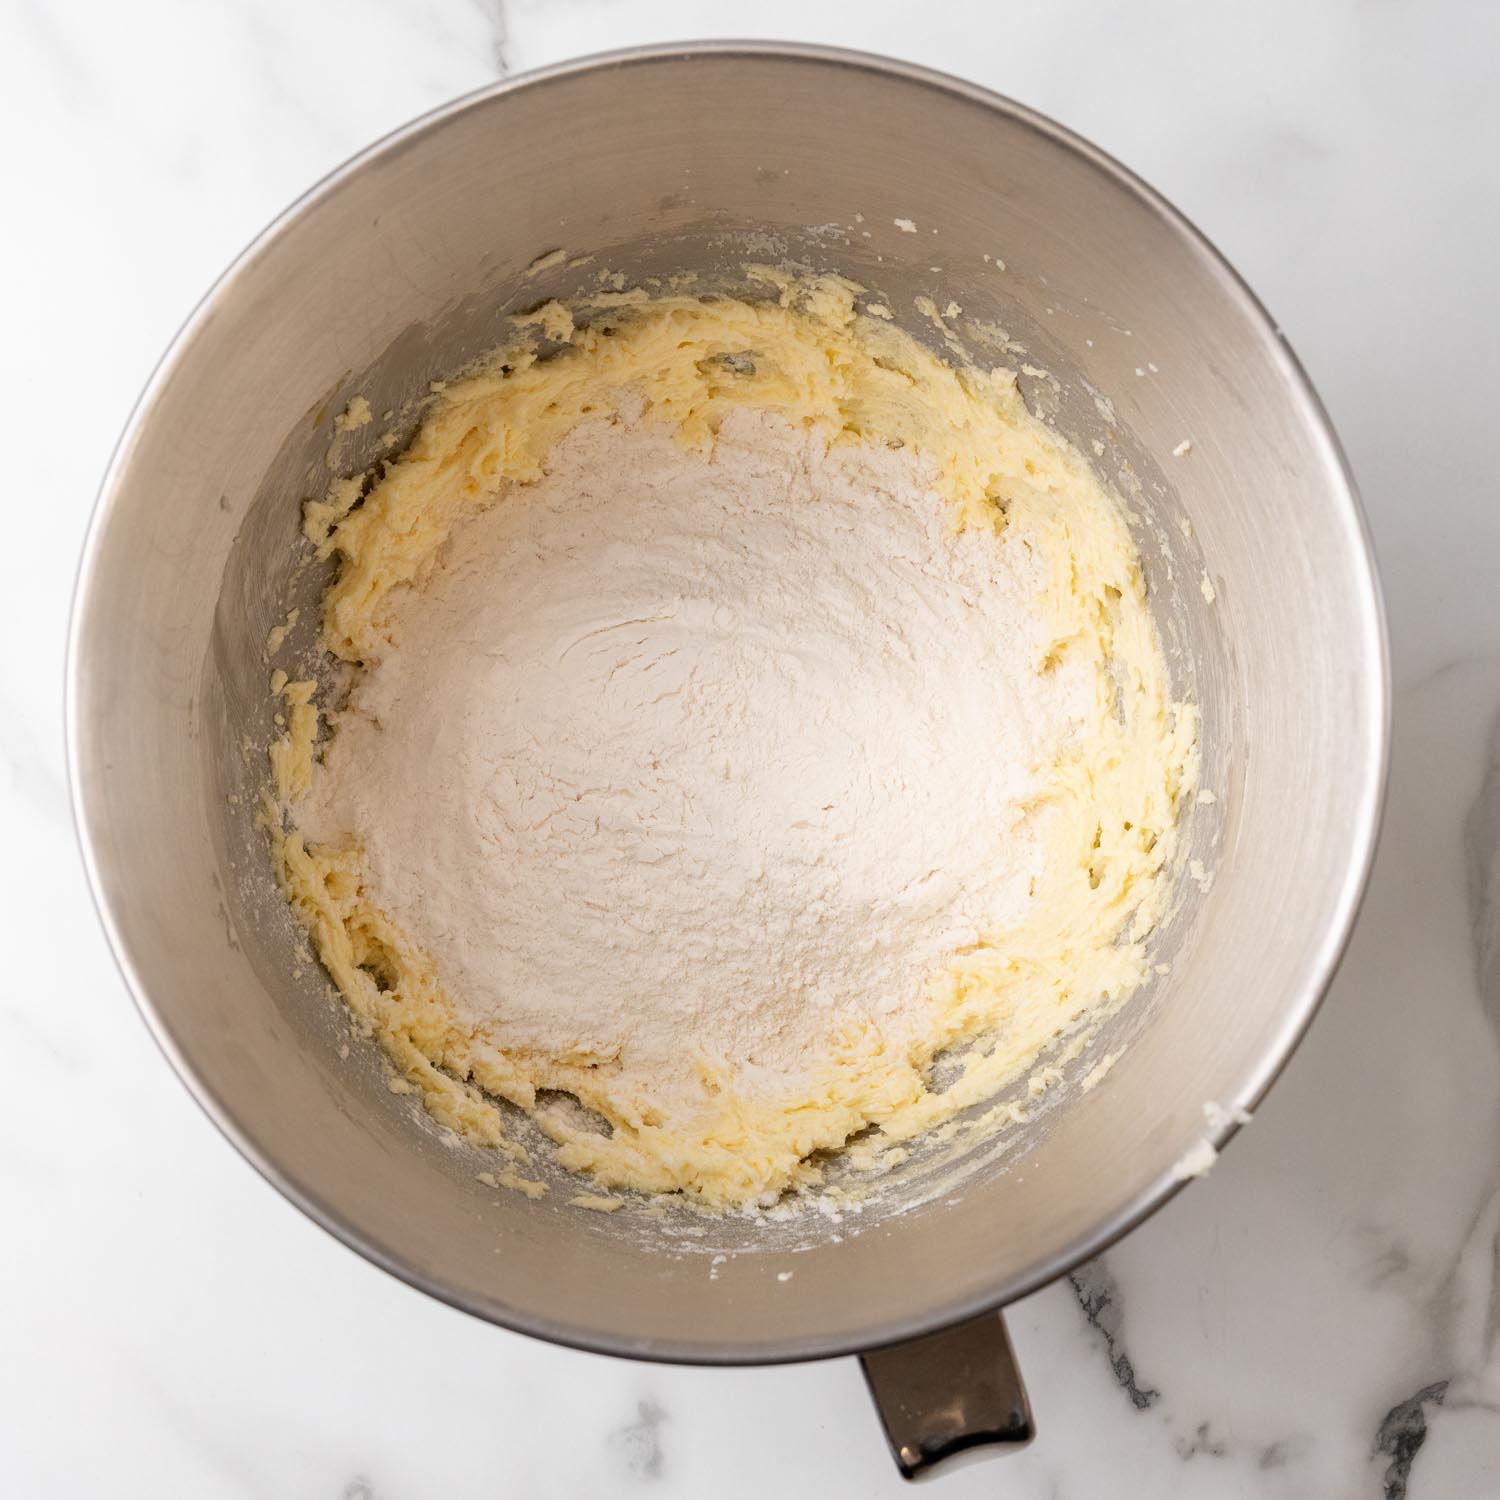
404, 265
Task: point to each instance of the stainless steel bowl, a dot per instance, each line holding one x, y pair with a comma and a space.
403, 265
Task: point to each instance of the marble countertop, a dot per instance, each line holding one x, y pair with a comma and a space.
1316, 1318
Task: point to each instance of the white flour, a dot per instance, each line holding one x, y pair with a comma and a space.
674, 757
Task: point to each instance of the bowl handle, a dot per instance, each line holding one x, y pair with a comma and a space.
954, 1391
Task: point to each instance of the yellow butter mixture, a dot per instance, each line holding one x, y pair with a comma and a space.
760, 604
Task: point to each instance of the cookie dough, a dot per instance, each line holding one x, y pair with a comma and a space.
1104, 804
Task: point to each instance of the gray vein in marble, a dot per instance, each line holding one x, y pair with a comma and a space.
1468, 1310
1482, 850
232, 1457
1099, 1296
53, 1041
1402, 1433
1390, 1261
265, 42
30, 768
1202, 1444
640, 1441
1467, 1307
69, 62
494, 13
1284, 1451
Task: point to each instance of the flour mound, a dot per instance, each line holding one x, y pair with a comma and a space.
675, 760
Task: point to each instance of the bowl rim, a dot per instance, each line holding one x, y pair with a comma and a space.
1374, 657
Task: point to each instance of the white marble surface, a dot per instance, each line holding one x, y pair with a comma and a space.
1318, 1318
